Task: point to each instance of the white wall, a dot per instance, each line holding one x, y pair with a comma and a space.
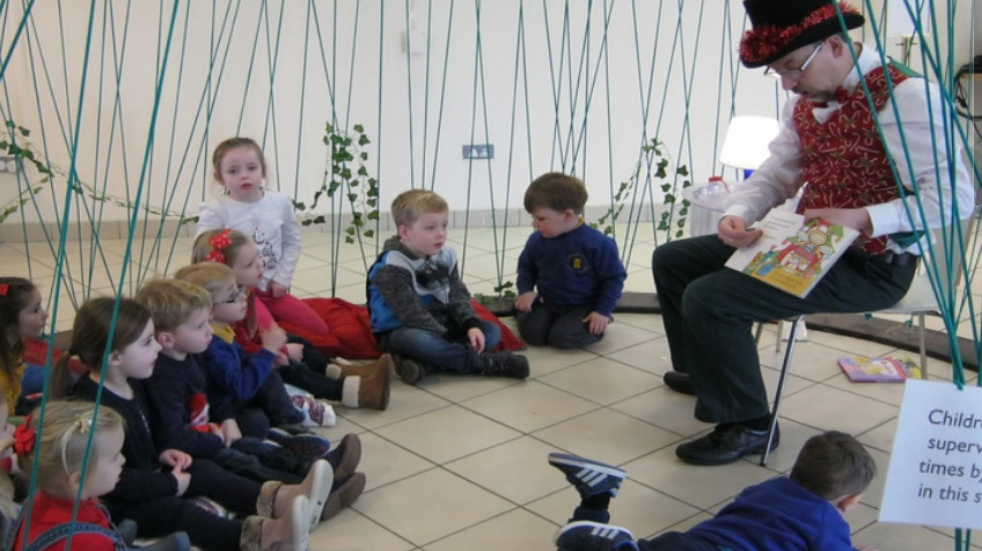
599, 84
572, 98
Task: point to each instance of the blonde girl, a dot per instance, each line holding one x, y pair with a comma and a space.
265, 216
21, 316
53, 456
155, 488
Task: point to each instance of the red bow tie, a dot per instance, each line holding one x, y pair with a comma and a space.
841, 95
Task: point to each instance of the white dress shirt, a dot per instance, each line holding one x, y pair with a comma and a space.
915, 116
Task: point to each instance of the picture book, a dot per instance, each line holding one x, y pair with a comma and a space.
886, 369
792, 254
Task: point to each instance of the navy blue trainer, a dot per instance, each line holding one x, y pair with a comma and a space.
588, 476
585, 535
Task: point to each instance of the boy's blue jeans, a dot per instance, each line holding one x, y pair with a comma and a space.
450, 352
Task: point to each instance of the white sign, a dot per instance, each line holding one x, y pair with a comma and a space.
935, 475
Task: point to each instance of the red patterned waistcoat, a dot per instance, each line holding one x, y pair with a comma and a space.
844, 160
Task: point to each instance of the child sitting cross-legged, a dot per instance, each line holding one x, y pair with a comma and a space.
181, 311
299, 363
74, 455
800, 512
161, 491
420, 309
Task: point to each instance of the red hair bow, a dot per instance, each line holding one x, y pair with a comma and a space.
3, 289
24, 438
215, 256
219, 242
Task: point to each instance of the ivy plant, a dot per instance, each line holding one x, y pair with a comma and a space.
14, 135
654, 163
14, 142
347, 174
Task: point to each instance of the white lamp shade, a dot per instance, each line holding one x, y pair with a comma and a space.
747, 138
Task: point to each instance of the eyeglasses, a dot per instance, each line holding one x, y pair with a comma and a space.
240, 294
778, 74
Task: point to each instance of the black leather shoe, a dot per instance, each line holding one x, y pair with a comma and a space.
726, 444
679, 382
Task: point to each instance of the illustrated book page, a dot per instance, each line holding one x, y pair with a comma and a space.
792, 254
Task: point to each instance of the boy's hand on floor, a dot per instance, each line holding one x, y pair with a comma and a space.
597, 323
476, 337
524, 301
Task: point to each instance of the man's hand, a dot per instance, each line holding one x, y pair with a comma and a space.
596, 322
857, 219
524, 301
476, 337
732, 231
277, 289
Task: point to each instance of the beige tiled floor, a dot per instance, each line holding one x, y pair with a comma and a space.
460, 463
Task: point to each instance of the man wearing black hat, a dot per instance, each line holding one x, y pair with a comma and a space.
829, 139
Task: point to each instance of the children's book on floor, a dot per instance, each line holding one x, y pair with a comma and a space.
886, 369
792, 254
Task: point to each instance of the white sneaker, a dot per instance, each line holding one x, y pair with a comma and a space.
315, 412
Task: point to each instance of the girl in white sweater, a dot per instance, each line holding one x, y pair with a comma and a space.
268, 218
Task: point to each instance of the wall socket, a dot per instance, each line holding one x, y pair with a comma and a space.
479, 151
9, 164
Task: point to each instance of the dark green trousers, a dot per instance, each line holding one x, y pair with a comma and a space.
709, 311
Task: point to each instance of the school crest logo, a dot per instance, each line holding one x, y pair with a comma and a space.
576, 262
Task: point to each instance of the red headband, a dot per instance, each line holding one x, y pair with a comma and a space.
3, 289
218, 243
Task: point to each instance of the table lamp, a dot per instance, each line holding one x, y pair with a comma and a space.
746, 141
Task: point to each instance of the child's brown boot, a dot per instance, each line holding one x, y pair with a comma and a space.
287, 533
275, 498
371, 388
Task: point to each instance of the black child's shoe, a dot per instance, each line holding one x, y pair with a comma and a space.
504, 364
726, 444
409, 370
